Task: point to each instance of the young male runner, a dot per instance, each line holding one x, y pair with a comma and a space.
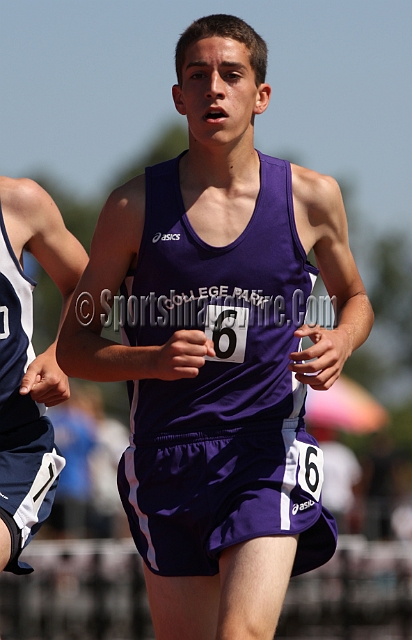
221, 482
29, 461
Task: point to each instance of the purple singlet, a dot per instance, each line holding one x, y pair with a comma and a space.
249, 297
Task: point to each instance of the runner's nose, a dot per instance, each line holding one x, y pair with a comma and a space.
216, 88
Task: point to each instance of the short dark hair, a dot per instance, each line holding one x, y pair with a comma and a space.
224, 26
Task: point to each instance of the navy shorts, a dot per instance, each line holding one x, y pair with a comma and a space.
29, 467
189, 496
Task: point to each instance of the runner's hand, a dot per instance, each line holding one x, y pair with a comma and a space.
183, 355
320, 365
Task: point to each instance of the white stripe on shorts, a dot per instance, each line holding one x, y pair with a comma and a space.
143, 519
26, 514
291, 463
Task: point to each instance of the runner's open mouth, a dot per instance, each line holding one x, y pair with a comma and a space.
215, 115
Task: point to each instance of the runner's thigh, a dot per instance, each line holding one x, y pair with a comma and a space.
254, 579
183, 608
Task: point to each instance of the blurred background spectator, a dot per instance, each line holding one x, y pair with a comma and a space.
107, 516
87, 503
76, 432
342, 491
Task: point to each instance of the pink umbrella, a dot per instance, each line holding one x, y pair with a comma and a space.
346, 406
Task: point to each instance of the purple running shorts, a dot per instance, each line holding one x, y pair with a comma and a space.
189, 496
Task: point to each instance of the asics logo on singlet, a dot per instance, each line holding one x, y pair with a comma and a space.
165, 236
302, 506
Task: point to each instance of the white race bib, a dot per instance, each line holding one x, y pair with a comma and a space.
227, 327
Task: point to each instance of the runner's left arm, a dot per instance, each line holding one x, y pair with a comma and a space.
321, 364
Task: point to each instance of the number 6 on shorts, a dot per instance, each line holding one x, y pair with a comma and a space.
310, 469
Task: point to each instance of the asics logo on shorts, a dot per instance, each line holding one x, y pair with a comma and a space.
165, 236
302, 506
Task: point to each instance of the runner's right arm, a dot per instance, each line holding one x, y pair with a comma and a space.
82, 352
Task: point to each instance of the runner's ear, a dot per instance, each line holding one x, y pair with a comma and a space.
178, 100
262, 98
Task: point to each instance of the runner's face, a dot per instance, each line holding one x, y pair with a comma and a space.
218, 93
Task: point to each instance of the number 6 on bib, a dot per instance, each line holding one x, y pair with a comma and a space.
227, 327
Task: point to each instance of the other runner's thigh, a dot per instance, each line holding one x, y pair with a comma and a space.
5, 545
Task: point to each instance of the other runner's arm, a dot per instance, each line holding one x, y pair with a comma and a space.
64, 259
319, 201
82, 351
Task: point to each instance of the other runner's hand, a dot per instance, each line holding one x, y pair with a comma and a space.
45, 381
